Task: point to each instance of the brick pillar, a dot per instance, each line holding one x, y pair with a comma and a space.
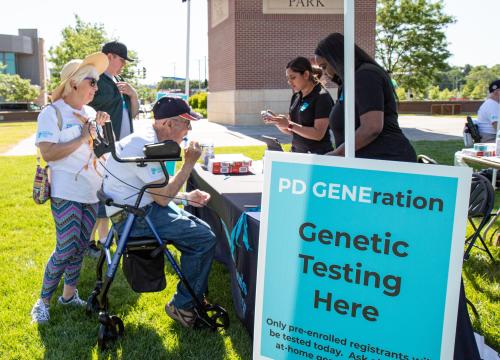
251, 41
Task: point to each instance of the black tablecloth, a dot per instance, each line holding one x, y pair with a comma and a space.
230, 196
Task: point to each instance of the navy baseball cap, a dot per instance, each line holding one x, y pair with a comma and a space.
168, 107
495, 85
116, 47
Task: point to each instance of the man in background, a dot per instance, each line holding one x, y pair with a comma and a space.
487, 115
118, 99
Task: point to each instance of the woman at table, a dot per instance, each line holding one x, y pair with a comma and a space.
307, 120
377, 135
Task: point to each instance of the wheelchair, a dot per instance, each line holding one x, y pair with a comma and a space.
111, 327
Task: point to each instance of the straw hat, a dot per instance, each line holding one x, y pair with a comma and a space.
98, 60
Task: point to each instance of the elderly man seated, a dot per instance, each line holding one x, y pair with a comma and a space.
190, 235
487, 115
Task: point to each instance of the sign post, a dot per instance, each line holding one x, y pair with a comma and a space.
349, 88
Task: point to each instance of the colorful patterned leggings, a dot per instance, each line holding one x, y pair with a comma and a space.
74, 223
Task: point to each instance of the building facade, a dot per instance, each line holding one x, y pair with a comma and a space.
24, 55
251, 41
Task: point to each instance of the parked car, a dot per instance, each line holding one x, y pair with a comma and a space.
19, 106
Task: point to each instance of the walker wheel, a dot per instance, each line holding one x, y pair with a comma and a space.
218, 317
109, 332
117, 323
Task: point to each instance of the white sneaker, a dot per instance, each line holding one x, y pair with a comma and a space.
75, 300
40, 312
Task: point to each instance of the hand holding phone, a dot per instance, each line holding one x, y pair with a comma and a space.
266, 115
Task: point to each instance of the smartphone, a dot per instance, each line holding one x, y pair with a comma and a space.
266, 113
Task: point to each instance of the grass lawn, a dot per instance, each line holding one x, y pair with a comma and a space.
13, 132
27, 239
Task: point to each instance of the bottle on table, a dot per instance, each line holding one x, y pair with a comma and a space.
207, 152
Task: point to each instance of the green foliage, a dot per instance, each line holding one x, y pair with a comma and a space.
81, 40
453, 78
479, 92
433, 93
78, 41
401, 93
411, 42
202, 112
146, 94
198, 100
193, 101
478, 79
15, 88
170, 84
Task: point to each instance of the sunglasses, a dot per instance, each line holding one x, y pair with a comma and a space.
93, 82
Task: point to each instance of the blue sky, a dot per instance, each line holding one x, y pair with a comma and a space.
157, 29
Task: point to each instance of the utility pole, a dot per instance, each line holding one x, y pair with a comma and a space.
187, 44
199, 76
349, 87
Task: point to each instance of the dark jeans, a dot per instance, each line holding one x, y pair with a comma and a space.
191, 236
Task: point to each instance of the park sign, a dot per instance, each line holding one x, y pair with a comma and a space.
303, 6
359, 259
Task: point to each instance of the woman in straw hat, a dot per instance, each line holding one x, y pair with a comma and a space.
64, 136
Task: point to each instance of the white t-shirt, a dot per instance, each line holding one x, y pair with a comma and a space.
486, 115
73, 177
132, 177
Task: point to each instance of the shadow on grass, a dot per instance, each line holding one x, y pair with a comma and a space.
219, 293
70, 332
481, 266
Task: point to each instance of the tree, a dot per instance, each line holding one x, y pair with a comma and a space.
79, 41
478, 80
433, 93
411, 42
401, 93
451, 78
147, 94
15, 88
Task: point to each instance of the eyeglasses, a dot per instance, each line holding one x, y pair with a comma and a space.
93, 82
186, 122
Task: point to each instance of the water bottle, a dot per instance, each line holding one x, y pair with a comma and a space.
207, 152
468, 141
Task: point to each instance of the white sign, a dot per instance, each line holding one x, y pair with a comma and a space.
303, 6
349, 251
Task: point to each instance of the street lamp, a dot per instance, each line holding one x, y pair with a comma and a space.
187, 45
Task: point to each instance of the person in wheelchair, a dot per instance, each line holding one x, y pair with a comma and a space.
190, 235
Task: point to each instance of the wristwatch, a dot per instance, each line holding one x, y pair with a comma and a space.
184, 200
290, 126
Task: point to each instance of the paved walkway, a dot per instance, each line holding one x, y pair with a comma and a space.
415, 128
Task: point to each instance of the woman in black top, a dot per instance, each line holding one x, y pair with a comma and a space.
310, 106
377, 135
